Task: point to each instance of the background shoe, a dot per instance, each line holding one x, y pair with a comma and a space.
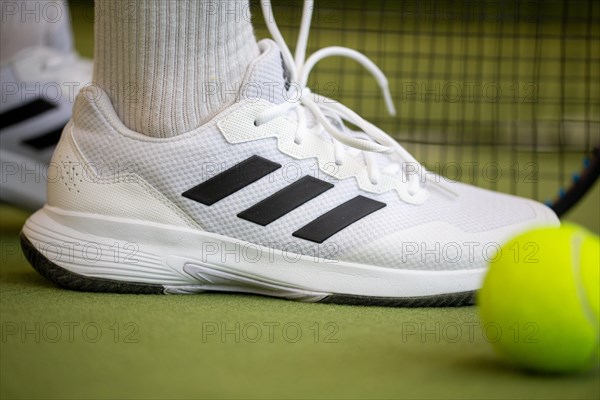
39, 86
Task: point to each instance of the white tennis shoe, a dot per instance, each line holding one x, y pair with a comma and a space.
273, 196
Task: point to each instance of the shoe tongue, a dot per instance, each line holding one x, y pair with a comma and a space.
270, 80
268, 77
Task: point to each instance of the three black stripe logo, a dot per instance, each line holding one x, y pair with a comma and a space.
285, 200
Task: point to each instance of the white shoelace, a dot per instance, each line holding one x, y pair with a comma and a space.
376, 141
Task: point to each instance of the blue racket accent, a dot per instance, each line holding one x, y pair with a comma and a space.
582, 181
548, 202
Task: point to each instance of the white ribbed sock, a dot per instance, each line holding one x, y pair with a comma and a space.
159, 60
29, 23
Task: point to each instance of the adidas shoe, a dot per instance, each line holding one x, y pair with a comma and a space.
271, 197
39, 86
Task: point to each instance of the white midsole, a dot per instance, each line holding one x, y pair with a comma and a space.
187, 260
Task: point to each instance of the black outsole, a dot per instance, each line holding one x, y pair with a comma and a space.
459, 299
69, 280
72, 281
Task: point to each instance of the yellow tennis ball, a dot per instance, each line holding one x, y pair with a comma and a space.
540, 299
